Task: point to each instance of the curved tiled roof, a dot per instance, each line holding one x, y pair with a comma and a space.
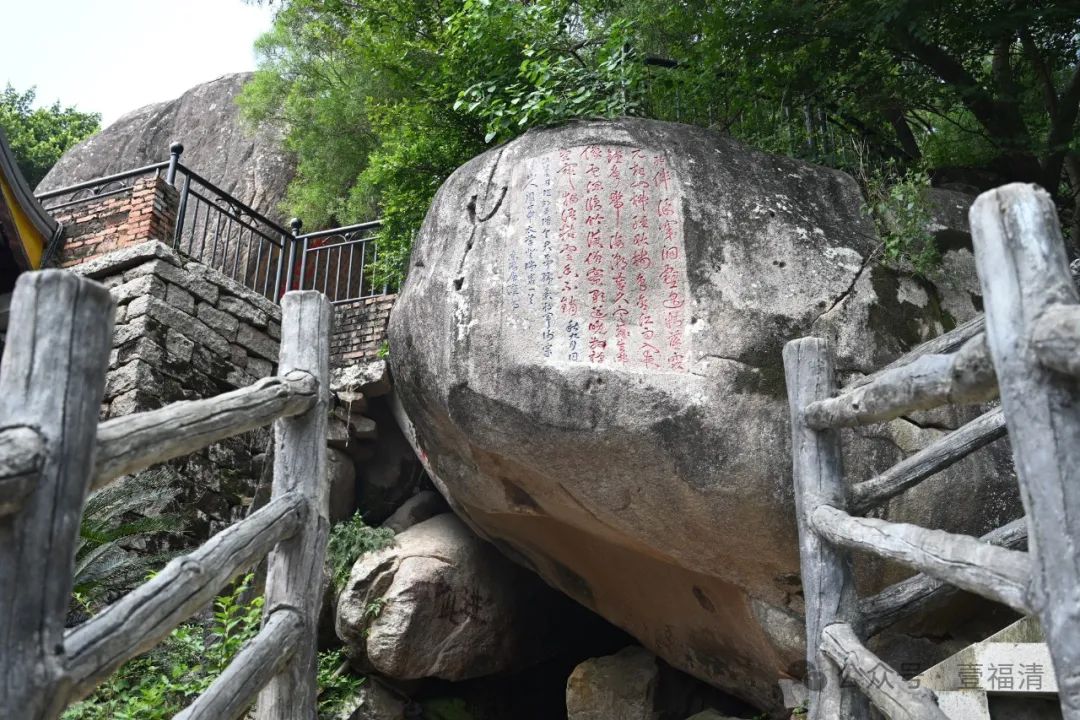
25, 225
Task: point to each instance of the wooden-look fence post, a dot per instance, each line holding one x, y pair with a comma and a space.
827, 578
52, 380
1023, 270
294, 577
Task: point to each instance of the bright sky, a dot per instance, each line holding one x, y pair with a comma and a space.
112, 56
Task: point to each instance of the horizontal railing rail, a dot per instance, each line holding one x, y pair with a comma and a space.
223, 232
107, 186
341, 263
1026, 349
53, 451
216, 229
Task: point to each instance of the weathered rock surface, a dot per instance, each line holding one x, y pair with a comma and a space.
250, 165
422, 506
617, 687
341, 475
442, 603
710, 715
594, 376
372, 702
391, 474
370, 379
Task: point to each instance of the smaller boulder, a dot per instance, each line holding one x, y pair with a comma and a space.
422, 506
368, 379
442, 603
616, 687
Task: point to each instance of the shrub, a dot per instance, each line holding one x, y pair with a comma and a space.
108, 562
163, 682
348, 541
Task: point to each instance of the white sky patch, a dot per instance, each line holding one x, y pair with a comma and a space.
113, 56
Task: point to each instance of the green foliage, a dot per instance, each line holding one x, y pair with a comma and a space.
536, 69
336, 685
38, 137
348, 541
901, 212
384, 350
383, 99
107, 561
163, 682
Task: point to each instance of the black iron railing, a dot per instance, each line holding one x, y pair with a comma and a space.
98, 188
218, 230
224, 233
341, 263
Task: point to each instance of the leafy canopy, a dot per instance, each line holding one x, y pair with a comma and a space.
39, 136
383, 99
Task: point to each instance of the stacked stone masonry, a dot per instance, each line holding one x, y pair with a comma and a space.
185, 332
360, 329
99, 226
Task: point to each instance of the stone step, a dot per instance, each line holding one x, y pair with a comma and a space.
1012, 662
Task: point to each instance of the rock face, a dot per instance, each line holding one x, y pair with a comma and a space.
442, 603
618, 687
252, 166
588, 346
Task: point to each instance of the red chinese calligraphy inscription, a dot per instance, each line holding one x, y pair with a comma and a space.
596, 272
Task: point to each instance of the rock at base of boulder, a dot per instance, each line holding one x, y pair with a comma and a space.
441, 603
617, 687
422, 506
372, 702
710, 715
342, 476
369, 379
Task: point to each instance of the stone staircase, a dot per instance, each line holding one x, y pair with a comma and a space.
1007, 676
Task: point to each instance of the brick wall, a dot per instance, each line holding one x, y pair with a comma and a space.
359, 329
99, 226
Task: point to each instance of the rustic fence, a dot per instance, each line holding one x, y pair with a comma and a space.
53, 451
1027, 349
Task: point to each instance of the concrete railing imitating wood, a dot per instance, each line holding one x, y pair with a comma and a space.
53, 452
1027, 349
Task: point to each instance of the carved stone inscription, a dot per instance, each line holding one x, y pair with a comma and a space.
597, 266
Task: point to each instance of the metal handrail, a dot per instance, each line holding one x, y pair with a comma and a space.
253, 228
268, 259
145, 170
369, 225
243, 206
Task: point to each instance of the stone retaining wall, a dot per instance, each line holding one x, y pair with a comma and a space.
183, 332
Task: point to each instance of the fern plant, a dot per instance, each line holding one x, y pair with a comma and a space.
108, 561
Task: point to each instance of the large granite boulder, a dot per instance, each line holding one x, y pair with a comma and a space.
251, 165
589, 346
441, 603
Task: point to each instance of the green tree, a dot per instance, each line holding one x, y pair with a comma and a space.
920, 84
383, 99
39, 136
